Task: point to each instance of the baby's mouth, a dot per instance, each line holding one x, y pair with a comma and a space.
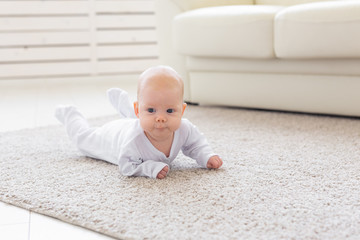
160, 126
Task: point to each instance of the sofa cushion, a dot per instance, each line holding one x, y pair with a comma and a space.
187, 5
287, 2
318, 30
231, 31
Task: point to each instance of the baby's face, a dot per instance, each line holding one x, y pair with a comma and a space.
160, 109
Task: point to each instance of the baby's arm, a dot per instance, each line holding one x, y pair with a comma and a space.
130, 166
197, 147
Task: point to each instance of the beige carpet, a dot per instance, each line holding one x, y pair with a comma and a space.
284, 176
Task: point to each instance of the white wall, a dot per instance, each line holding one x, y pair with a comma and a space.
76, 38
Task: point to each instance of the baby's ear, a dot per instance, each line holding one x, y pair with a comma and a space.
183, 110
136, 108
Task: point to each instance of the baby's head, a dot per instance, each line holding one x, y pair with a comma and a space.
160, 77
159, 104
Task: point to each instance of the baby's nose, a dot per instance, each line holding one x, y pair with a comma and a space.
160, 119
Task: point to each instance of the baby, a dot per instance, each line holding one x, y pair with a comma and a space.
143, 142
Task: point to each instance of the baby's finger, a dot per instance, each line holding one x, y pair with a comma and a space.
161, 175
220, 162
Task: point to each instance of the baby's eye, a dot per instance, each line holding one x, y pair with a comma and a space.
170, 110
151, 110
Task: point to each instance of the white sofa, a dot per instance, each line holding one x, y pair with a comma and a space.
292, 55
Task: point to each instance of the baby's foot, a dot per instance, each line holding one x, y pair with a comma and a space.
114, 94
62, 111
119, 99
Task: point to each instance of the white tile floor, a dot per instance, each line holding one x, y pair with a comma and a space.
31, 103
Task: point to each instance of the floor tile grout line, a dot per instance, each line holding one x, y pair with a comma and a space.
29, 226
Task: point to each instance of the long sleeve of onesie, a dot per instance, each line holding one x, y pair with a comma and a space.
131, 163
196, 145
149, 168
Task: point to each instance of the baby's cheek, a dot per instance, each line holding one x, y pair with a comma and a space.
145, 123
176, 124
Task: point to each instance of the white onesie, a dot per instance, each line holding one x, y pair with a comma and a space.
123, 141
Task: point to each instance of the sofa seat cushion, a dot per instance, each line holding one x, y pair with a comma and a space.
187, 5
318, 30
335, 67
288, 2
244, 31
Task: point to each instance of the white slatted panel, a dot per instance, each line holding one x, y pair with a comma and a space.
67, 38
144, 6
32, 7
126, 36
125, 21
40, 24
126, 51
9, 39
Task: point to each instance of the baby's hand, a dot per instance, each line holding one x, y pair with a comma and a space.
214, 162
162, 174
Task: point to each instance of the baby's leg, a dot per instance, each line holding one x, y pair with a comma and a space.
79, 131
119, 99
73, 120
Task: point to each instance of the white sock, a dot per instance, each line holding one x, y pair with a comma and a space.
72, 119
119, 99
62, 112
